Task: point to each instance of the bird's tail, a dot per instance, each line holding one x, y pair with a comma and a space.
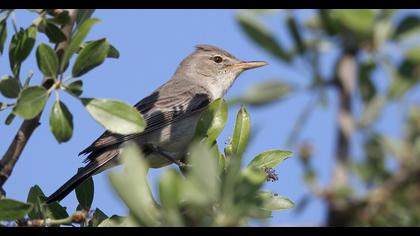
99, 163
70, 185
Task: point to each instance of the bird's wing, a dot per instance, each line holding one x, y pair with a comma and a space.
159, 110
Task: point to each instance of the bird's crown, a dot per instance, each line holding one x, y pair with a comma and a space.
214, 49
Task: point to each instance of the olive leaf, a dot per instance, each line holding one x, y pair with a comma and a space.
31, 102
61, 122
115, 116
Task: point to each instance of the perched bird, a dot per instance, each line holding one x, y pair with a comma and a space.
171, 113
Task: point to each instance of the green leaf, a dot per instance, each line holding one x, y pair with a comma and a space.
262, 36
413, 55
61, 18
245, 190
405, 78
56, 211
84, 193
36, 197
372, 169
119, 221
269, 159
115, 116
12, 210
254, 177
40, 209
399, 87
112, 52
20, 47
9, 119
97, 218
408, 69
3, 35
212, 120
381, 34
371, 111
274, 202
31, 102
396, 148
90, 57
77, 40
82, 16
388, 13
330, 25
221, 161
47, 60
260, 214
264, 93
54, 34
204, 173
110, 222
61, 122
241, 132
295, 32
132, 186
169, 189
9, 87
367, 88
410, 25
360, 21
74, 88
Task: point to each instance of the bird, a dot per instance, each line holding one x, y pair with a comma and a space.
171, 113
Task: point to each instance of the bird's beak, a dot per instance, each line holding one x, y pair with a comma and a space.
245, 65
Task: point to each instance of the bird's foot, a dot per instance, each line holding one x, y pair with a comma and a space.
168, 156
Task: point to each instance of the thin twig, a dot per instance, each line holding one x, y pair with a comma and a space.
11, 156
77, 217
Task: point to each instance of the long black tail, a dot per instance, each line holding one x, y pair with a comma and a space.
100, 161
71, 184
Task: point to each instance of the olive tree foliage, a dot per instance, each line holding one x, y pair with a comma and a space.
368, 43
214, 188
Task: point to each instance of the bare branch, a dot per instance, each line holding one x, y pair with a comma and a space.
345, 80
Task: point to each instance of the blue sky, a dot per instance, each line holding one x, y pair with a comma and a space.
152, 43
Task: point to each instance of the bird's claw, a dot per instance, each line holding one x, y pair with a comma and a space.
168, 156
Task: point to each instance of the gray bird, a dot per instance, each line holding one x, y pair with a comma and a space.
171, 113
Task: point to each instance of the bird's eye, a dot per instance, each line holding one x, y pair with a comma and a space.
217, 59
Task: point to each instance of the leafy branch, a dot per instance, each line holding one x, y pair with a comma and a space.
25, 131
215, 189
67, 29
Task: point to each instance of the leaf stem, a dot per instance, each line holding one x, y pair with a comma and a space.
57, 96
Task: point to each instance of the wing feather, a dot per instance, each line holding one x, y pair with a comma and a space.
158, 111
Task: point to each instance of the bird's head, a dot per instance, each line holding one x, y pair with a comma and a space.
214, 68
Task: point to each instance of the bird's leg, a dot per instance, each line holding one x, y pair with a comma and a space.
184, 168
155, 148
